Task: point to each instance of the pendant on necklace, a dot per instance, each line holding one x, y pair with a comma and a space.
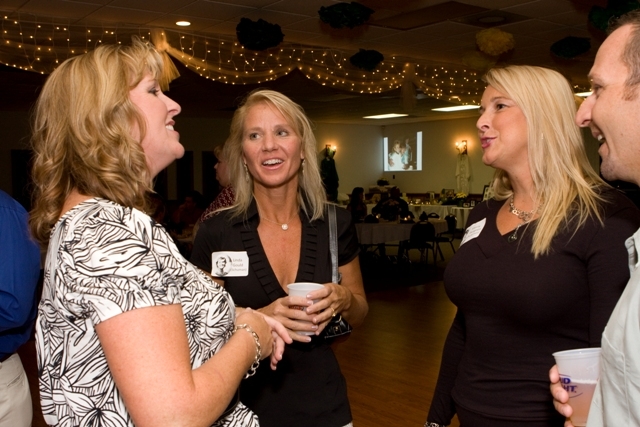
285, 227
514, 236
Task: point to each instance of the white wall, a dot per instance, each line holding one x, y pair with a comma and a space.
439, 156
359, 153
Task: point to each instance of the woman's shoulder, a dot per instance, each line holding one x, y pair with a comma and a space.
342, 214
615, 201
221, 220
485, 208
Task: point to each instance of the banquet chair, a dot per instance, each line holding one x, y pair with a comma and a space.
433, 215
422, 238
451, 234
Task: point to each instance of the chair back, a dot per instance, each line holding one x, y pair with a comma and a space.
421, 233
433, 215
452, 222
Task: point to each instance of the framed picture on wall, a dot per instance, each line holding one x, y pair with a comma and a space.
487, 193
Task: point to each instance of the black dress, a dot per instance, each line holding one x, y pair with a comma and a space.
514, 311
307, 388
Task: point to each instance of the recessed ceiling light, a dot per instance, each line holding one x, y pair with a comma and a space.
583, 94
183, 23
457, 108
385, 116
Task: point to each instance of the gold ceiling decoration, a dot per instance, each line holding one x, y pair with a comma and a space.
39, 45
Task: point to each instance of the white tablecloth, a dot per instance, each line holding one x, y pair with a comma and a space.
462, 214
385, 232
439, 209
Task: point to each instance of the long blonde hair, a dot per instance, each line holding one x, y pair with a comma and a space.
82, 131
311, 193
567, 189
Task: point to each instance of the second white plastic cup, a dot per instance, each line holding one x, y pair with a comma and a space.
302, 289
579, 373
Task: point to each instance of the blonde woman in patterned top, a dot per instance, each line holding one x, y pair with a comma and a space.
128, 332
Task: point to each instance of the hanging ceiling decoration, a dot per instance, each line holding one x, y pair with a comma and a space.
259, 35
600, 17
345, 15
494, 41
366, 59
570, 47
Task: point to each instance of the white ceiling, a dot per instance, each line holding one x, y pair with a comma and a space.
428, 31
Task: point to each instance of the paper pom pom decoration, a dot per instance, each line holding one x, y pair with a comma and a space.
570, 47
341, 15
494, 41
600, 16
366, 59
258, 35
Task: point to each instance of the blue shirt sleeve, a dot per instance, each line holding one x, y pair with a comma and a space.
20, 267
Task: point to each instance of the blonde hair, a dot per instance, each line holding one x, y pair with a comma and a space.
567, 189
82, 131
311, 193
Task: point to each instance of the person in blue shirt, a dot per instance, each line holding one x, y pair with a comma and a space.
20, 269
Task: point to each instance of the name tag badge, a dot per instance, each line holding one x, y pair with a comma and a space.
229, 264
473, 231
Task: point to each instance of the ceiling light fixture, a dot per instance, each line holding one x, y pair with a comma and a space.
385, 116
183, 23
583, 94
456, 108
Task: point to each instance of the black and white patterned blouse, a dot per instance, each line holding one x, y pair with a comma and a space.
103, 260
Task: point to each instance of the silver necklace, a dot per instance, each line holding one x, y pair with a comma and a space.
524, 216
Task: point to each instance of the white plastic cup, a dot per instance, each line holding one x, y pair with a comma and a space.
579, 373
302, 289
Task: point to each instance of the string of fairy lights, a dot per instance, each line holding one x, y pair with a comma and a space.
40, 44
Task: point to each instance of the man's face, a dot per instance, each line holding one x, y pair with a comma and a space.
613, 120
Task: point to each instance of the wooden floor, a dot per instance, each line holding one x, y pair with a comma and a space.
391, 362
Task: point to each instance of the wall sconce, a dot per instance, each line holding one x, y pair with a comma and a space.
330, 150
461, 146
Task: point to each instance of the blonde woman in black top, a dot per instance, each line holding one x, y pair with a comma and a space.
541, 265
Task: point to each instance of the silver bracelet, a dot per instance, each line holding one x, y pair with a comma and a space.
256, 338
428, 424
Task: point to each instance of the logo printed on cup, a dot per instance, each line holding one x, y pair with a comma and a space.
576, 388
579, 371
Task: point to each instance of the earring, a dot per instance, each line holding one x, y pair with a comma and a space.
246, 172
302, 165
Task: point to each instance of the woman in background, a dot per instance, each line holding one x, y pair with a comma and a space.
542, 264
356, 205
277, 233
128, 332
227, 196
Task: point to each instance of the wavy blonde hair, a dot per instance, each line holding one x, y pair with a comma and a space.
311, 193
567, 189
82, 135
